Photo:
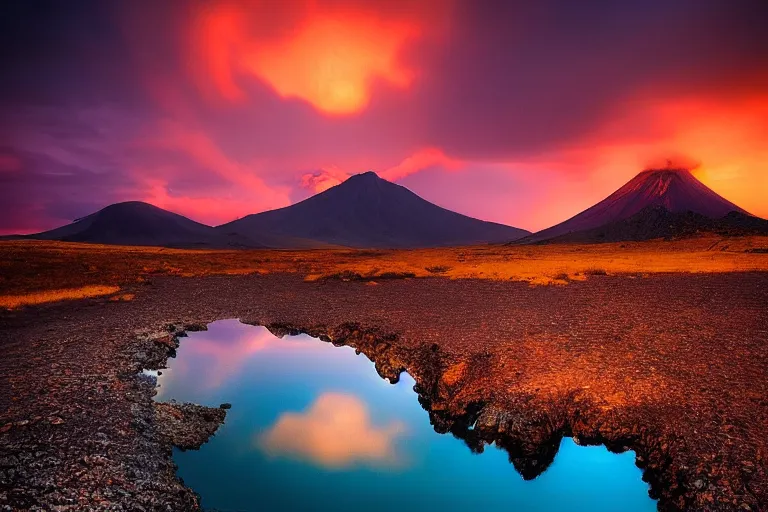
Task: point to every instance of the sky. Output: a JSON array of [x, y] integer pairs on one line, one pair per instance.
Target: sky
[[518, 112]]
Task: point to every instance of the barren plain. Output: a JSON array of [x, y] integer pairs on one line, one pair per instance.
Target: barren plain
[[658, 347]]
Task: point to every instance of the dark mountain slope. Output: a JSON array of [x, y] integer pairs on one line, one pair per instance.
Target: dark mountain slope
[[367, 211], [657, 222], [138, 223]]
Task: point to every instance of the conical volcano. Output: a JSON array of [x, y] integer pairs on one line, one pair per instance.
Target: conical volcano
[[139, 223], [674, 195], [368, 211]]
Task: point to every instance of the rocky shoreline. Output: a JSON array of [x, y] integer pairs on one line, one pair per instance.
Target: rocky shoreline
[[531, 435], [79, 429]]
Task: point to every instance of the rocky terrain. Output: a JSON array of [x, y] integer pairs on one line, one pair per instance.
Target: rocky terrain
[[671, 366]]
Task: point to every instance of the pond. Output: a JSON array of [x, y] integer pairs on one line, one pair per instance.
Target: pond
[[313, 427]]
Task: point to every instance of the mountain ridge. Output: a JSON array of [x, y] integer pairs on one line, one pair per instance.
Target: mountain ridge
[[365, 211], [142, 224], [368, 211]]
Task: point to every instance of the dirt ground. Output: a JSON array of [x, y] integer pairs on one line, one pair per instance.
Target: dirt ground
[[673, 365], [34, 272]]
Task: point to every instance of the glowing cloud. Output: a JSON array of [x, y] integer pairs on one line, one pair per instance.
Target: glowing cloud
[[323, 179], [332, 62], [335, 432], [329, 59]]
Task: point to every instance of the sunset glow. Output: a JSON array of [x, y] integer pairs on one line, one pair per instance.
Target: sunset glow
[[330, 61], [224, 108], [334, 254]]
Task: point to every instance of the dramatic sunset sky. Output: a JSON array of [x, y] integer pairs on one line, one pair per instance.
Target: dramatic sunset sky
[[518, 112]]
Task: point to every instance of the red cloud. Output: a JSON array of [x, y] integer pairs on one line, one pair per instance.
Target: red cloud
[[327, 57]]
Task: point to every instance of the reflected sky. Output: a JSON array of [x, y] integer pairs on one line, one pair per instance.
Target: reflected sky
[[313, 427], [335, 432]]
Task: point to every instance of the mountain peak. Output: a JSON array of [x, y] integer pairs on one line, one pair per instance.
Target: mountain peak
[[370, 212], [657, 184], [130, 205], [666, 174], [665, 171], [366, 183], [140, 223], [365, 177], [675, 190]]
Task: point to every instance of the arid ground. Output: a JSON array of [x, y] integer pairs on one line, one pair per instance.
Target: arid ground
[[658, 347]]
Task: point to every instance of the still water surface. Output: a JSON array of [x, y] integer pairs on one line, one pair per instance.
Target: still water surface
[[313, 427]]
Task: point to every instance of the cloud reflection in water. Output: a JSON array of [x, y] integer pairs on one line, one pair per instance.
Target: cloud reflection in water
[[335, 432]]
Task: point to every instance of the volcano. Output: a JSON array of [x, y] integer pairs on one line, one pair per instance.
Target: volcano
[[367, 211], [139, 223], [657, 203]]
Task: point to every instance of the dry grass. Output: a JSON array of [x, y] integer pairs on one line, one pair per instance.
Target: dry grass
[[37, 269], [29, 299], [560, 264]]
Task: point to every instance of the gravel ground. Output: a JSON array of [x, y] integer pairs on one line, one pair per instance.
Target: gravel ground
[[674, 367]]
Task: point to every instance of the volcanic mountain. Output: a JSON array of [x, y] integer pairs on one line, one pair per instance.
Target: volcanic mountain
[[138, 223], [657, 203], [367, 211], [658, 222]]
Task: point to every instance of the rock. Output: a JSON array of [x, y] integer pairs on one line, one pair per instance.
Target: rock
[[187, 426]]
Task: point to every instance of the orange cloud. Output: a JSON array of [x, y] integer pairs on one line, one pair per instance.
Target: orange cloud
[[329, 58], [335, 432], [332, 62], [323, 179]]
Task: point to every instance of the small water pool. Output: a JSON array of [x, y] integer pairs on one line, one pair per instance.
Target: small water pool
[[313, 427]]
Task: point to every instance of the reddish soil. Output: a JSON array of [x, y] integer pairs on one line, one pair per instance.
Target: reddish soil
[[672, 366]]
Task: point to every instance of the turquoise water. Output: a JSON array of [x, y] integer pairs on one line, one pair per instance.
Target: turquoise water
[[313, 427]]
